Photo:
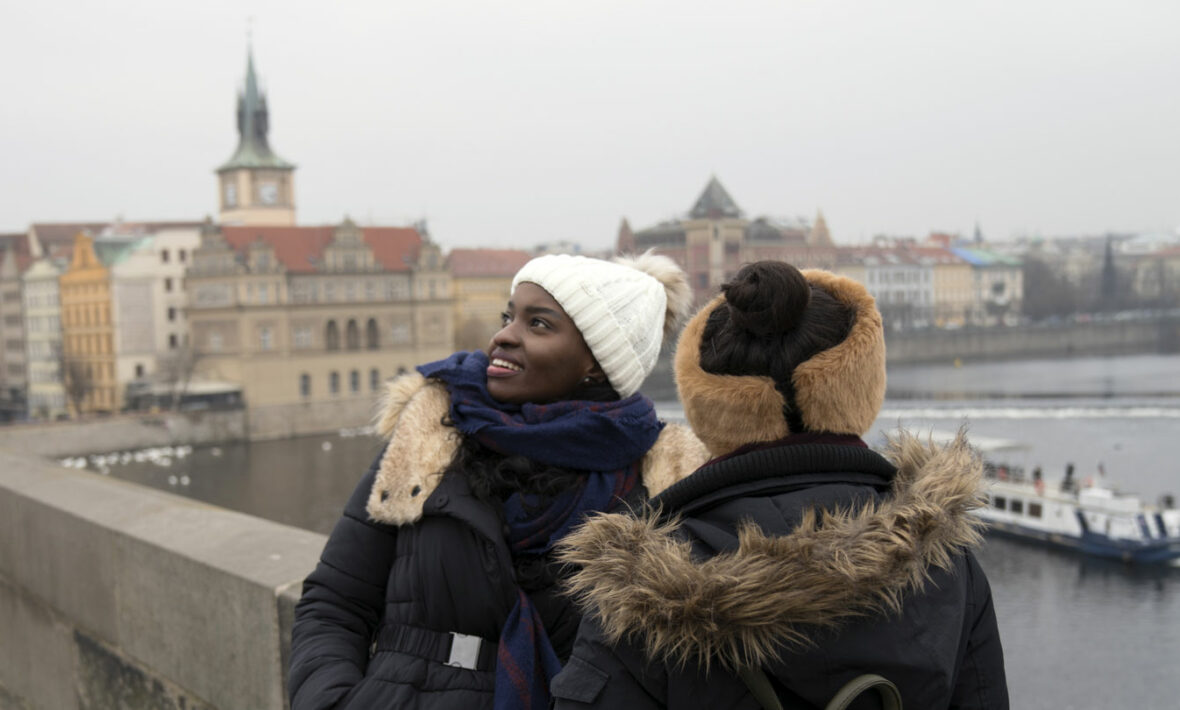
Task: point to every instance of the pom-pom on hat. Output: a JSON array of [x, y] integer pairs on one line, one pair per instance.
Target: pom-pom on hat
[[781, 352], [624, 308]]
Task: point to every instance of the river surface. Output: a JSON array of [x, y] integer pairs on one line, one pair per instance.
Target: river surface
[[1078, 633]]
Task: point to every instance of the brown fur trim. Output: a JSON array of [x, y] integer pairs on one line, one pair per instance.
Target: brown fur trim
[[841, 389], [675, 455], [724, 411], [638, 580], [421, 447]]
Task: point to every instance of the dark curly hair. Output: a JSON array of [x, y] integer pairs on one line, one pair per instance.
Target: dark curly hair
[[772, 320]]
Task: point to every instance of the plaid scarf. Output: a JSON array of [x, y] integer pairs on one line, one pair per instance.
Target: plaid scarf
[[606, 440]]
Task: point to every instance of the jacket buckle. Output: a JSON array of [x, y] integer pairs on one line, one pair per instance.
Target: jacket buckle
[[464, 651]]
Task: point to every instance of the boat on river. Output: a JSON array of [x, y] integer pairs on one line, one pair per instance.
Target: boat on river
[[1086, 515]]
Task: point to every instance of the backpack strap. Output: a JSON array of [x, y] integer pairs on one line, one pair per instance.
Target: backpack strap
[[890, 698], [759, 685]]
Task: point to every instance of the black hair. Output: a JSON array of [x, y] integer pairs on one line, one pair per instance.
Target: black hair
[[771, 321]]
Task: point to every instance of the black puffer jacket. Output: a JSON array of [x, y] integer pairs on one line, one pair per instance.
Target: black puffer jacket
[[416, 581], [883, 583]]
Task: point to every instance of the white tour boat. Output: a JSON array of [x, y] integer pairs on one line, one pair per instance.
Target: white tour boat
[[1086, 515]]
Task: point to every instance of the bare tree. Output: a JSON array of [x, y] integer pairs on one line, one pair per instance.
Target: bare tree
[[176, 370], [77, 379]]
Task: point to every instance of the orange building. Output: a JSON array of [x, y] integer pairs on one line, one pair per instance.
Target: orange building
[[88, 332]]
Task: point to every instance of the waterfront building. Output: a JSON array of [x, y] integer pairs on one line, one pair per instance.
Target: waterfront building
[[255, 186], [46, 396], [482, 283], [715, 238], [998, 285], [299, 315], [14, 258], [88, 336]]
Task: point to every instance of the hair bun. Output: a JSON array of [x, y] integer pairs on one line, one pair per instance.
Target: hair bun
[[767, 298]]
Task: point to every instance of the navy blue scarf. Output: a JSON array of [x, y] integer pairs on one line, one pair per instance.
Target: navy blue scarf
[[606, 440]]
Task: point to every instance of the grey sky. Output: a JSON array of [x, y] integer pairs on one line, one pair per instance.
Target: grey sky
[[519, 122]]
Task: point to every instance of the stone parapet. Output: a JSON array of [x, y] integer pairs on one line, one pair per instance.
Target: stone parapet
[[115, 595]]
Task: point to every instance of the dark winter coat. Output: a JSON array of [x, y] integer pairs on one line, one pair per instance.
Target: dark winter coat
[[750, 575], [417, 559]]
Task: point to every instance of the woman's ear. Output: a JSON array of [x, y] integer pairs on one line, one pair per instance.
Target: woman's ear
[[594, 375]]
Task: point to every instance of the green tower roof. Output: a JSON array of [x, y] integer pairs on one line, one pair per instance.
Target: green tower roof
[[253, 150]]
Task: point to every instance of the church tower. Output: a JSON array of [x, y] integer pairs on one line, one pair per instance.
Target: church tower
[[255, 186]]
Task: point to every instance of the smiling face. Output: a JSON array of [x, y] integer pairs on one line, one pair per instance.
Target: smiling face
[[539, 355]]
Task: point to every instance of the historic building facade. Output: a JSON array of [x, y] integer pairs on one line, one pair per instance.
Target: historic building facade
[[482, 283], [715, 238], [312, 314], [88, 332]]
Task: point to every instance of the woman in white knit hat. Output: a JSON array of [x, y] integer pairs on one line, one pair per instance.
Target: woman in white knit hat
[[436, 588]]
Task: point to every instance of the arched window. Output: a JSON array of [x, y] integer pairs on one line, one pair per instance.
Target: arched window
[[354, 381], [334, 382], [374, 379], [352, 335], [332, 336], [371, 341], [305, 385]]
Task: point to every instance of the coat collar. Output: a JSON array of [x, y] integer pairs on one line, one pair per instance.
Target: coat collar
[[638, 577], [421, 447]]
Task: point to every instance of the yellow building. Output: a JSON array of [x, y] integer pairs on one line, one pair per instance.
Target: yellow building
[[481, 280], [88, 333]]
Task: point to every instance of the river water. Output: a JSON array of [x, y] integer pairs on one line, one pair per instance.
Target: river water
[[1078, 633]]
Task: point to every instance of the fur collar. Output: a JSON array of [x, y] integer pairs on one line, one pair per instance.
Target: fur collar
[[638, 579], [421, 448]]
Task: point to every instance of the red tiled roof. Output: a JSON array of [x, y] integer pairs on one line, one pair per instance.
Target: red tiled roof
[[301, 248], [19, 243], [487, 262]]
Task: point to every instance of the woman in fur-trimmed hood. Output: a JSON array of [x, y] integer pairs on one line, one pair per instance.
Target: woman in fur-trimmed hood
[[796, 550], [437, 589]]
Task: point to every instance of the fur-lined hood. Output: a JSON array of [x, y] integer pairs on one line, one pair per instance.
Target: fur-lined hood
[[638, 578], [421, 447]]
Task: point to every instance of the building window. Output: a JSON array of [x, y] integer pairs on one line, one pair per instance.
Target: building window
[[265, 338], [302, 336], [180, 255], [215, 342], [334, 382], [171, 313], [164, 256], [332, 336], [1034, 510], [354, 381], [167, 282], [1000, 503], [138, 370], [371, 339], [353, 335], [1017, 506], [305, 385], [374, 379], [173, 342]]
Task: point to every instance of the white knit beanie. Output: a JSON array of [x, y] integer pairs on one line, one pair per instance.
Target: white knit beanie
[[624, 308]]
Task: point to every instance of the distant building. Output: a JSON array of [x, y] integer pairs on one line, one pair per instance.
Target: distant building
[[255, 186], [313, 314], [88, 332], [14, 259], [715, 238], [43, 343], [998, 284], [482, 281]]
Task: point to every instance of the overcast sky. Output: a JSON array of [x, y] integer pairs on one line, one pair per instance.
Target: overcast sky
[[517, 122]]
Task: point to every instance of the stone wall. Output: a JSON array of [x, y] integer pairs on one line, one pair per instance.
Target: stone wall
[[124, 432], [117, 596]]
